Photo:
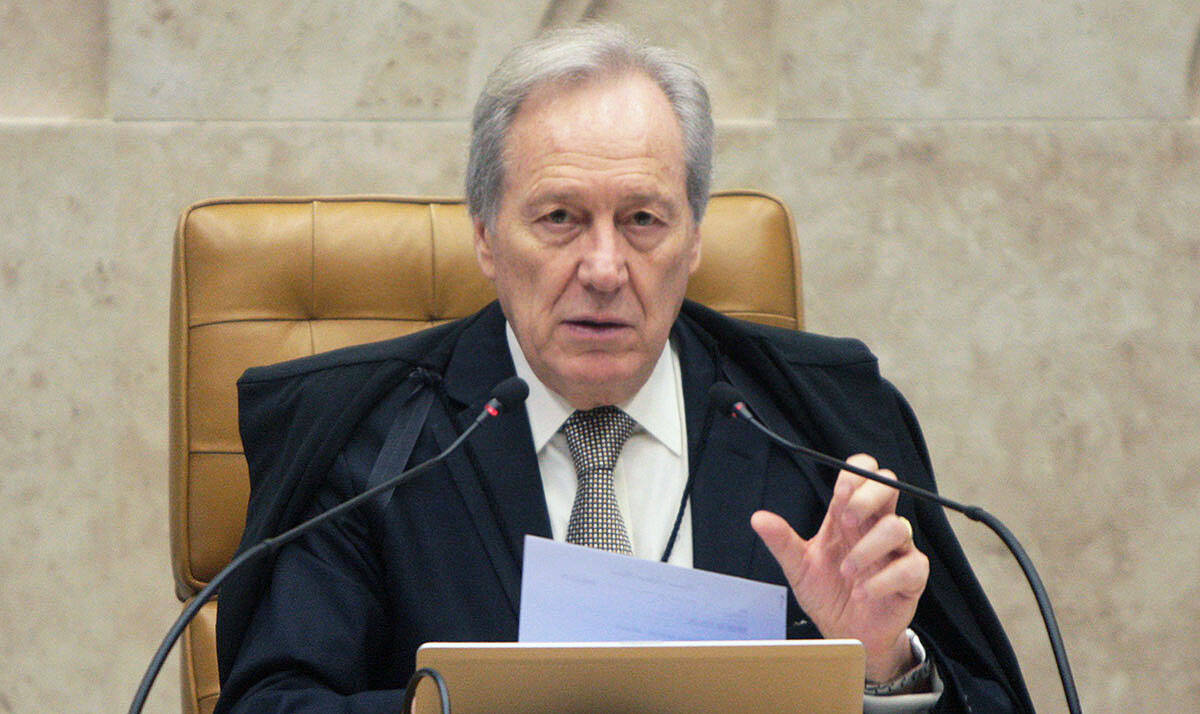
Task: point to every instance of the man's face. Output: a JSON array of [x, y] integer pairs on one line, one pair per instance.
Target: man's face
[[594, 239]]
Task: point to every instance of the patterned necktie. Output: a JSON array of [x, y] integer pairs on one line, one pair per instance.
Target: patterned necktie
[[595, 438]]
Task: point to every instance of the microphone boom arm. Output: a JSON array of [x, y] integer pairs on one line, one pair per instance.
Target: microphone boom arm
[[506, 395], [739, 410]]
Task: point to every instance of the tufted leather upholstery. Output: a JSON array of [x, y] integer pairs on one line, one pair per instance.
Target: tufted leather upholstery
[[261, 280]]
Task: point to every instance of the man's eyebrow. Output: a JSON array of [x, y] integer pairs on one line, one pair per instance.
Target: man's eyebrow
[[539, 201], [555, 196], [658, 200]]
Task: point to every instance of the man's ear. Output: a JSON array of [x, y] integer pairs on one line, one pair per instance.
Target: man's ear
[[483, 249], [695, 250]]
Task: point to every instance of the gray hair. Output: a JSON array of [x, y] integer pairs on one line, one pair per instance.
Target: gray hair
[[572, 56]]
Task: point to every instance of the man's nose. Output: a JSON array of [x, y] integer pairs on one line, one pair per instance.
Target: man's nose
[[603, 266]]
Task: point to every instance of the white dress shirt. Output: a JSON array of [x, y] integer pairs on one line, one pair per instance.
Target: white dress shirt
[[651, 471]]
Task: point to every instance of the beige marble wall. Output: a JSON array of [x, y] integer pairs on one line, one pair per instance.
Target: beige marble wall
[[999, 197]]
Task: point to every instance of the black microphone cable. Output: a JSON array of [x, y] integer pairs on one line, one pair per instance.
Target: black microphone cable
[[410, 690], [505, 396], [727, 399]]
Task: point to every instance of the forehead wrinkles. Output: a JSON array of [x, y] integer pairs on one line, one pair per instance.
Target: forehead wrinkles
[[643, 173], [605, 120], [551, 146], [573, 176]]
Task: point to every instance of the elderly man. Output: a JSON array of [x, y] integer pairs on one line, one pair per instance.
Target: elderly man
[[588, 177]]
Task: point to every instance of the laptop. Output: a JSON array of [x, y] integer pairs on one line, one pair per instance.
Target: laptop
[[668, 677]]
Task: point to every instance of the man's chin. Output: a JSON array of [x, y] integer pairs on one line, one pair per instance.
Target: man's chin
[[588, 387]]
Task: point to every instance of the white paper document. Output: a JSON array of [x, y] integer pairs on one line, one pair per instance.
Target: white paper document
[[571, 593]]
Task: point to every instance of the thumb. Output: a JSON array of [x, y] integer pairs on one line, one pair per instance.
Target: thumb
[[787, 547]]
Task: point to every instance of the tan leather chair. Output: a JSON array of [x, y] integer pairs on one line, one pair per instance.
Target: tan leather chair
[[261, 280]]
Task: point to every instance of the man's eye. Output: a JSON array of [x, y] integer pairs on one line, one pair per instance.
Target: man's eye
[[643, 218], [558, 216]]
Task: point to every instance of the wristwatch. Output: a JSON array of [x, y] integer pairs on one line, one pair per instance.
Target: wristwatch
[[913, 681]]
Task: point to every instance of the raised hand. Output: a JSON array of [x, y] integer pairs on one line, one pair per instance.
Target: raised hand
[[861, 575]]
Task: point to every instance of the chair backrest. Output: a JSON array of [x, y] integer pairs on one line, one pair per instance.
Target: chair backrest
[[262, 280]]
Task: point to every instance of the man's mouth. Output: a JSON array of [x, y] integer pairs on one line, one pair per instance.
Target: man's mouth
[[595, 326]]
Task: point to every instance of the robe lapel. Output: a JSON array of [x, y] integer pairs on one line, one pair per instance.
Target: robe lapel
[[496, 472], [803, 507], [726, 461]]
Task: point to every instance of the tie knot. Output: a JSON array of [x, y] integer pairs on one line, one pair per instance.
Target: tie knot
[[595, 437]]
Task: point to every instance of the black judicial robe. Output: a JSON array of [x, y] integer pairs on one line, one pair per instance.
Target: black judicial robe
[[333, 622]]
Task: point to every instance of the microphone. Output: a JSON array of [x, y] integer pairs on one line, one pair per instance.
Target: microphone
[[505, 396], [727, 399]]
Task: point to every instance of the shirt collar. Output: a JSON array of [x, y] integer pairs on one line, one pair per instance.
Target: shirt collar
[[655, 407]]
